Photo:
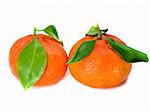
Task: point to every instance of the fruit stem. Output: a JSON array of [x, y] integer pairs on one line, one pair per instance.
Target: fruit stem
[[39, 30], [34, 33], [35, 30], [104, 31], [99, 32]]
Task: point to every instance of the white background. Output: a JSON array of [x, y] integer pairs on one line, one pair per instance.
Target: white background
[[127, 19]]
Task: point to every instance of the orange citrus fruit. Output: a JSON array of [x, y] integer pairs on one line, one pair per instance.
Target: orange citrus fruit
[[56, 55], [102, 68]]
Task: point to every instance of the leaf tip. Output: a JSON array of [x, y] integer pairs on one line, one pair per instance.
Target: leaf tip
[[61, 42], [69, 61], [146, 59], [26, 86]]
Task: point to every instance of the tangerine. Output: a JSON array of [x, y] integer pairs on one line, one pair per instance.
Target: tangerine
[[56, 55], [103, 67]]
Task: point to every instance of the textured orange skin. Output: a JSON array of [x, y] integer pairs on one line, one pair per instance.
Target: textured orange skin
[[57, 58], [102, 68]]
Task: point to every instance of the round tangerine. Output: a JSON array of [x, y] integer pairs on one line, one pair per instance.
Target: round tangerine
[[56, 55], [102, 68]]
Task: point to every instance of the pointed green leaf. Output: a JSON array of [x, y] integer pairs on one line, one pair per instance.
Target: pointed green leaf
[[94, 31], [127, 53], [31, 63], [83, 51], [51, 31]]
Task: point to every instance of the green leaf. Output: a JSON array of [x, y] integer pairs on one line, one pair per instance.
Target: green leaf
[[94, 31], [84, 50], [51, 31], [127, 53], [31, 63]]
